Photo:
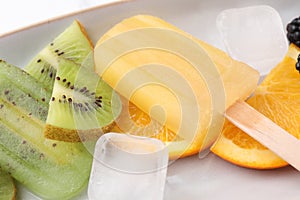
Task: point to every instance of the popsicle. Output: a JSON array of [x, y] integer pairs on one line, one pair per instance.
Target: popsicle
[[50, 169], [136, 57], [180, 81]]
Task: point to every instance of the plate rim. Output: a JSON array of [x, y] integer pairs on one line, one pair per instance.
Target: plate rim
[[62, 16]]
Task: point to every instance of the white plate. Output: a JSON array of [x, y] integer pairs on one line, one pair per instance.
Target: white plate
[[189, 178]]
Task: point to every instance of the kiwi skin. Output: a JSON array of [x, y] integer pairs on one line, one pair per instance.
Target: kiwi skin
[[72, 135]]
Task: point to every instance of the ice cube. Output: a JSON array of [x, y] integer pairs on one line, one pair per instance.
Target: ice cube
[[128, 167], [254, 35]]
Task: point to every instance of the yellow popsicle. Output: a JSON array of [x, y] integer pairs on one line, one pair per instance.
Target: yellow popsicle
[[180, 81]]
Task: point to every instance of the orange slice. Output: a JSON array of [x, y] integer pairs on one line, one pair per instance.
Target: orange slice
[[134, 121], [278, 98], [142, 124]]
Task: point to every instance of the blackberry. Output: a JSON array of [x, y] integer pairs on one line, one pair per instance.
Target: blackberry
[[298, 63], [293, 31]]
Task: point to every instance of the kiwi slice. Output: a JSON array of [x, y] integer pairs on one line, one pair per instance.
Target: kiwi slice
[[7, 186], [72, 44], [51, 169], [82, 106]]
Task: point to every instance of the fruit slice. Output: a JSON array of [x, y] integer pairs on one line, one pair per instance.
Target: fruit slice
[[73, 44], [134, 120], [50, 169], [82, 106], [278, 98], [238, 80], [7, 186]]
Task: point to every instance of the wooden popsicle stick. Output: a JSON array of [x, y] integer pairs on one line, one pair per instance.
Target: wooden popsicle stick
[[266, 132]]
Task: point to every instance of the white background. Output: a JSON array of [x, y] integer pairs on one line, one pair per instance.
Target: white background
[[16, 14]]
